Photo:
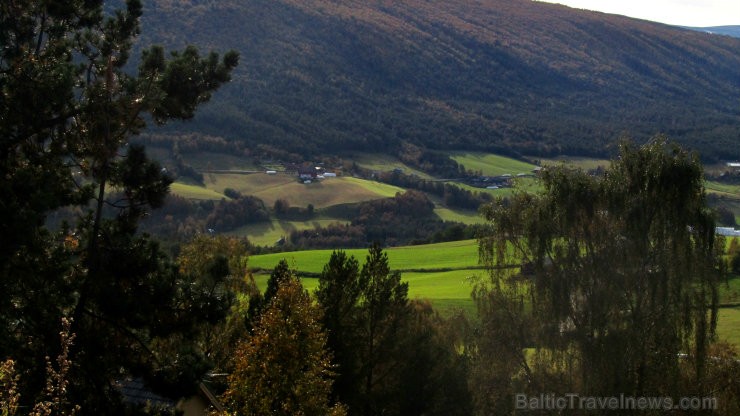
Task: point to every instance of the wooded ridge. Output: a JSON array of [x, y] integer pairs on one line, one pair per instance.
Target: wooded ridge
[[515, 76]]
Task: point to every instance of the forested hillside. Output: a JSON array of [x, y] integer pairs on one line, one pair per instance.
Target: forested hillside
[[523, 76]]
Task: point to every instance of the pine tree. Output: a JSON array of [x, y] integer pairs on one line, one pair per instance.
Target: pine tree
[[67, 113]]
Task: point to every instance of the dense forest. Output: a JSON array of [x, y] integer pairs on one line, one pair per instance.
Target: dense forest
[[506, 76]]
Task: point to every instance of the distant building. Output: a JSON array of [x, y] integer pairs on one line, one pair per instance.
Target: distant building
[[309, 172], [305, 173], [135, 393], [727, 231], [271, 172]]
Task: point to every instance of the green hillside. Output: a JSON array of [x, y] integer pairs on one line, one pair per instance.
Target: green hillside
[[269, 188], [197, 192], [491, 164]]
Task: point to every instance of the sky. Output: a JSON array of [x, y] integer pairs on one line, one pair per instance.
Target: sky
[[699, 13]]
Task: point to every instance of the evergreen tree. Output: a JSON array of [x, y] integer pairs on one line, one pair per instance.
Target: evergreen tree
[[383, 309], [67, 112], [365, 314], [338, 294]]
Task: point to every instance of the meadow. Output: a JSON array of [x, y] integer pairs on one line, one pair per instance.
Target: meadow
[[197, 192], [385, 163], [453, 255], [443, 273], [320, 194], [724, 189], [585, 163], [490, 164], [728, 325], [268, 233]]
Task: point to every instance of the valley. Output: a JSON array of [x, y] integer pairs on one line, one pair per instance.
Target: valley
[[443, 273], [363, 207]]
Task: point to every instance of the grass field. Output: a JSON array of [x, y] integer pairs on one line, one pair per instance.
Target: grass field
[[463, 216], [195, 192], [585, 163], [728, 190], [438, 272], [448, 291], [269, 188], [728, 325], [384, 163], [527, 184], [490, 164], [450, 255], [444, 273], [267, 233]]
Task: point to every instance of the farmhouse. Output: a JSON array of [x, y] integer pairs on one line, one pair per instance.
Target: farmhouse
[[307, 173]]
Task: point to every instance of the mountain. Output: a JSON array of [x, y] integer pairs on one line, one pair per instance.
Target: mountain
[[733, 31], [515, 76]]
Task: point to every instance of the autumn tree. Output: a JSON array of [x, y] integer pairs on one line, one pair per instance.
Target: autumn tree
[[67, 111], [600, 285], [284, 367]]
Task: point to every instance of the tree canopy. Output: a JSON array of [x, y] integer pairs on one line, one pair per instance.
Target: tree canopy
[[68, 108], [284, 366], [610, 282]]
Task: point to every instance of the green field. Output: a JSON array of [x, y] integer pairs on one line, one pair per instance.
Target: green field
[[527, 184], [433, 257], [724, 189], [385, 163], [444, 273], [585, 163], [491, 165], [195, 192], [268, 233], [728, 325], [330, 191], [448, 291], [463, 216], [438, 272]]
